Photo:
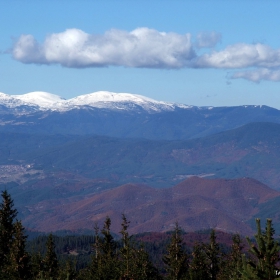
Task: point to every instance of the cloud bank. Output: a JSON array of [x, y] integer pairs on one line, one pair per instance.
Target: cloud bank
[[141, 47], [149, 48]]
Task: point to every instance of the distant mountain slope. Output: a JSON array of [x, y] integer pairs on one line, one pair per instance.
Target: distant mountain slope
[[16, 146], [66, 181], [249, 151], [44, 101], [195, 203], [122, 115]]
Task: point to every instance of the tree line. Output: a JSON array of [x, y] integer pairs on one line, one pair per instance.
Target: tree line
[[125, 259]]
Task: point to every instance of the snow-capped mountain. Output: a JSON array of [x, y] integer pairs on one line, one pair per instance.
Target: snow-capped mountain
[[41, 99], [10, 101], [102, 99], [122, 115]]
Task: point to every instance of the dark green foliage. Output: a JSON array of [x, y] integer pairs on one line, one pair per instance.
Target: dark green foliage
[[265, 252], [37, 265], [213, 253], [7, 231], [7, 216], [176, 259], [19, 259], [104, 264], [128, 260], [67, 270], [207, 260], [199, 265], [76, 248], [232, 269], [126, 256], [143, 267], [134, 261], [50, 260], [109, 255]]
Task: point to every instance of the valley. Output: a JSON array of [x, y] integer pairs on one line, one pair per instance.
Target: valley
[[69, 167]]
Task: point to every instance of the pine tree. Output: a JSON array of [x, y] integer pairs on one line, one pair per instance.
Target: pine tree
[[213, 254], [109, 245], [176, 259], [126, 251], [50, 260], [134, 262], [95, 266], [37, 265], [266, 252], [104, 264], [7, 216], [19, 266], [234, 263], [68, 272], [199, 264], [143, 267], [109, 260]]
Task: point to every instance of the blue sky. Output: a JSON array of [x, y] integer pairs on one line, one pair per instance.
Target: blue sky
[[218, 53]]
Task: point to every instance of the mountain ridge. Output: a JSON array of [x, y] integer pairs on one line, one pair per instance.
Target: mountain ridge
[[192, 203], [101, 99], [249, 151], [136, 122], [61, 179]]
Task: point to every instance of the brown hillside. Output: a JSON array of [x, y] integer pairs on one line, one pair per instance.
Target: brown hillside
[[195, 203]]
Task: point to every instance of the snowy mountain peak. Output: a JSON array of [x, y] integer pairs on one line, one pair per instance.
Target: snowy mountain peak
[[3, 95], [106, 96], [101, 99], [119, 101], [40, 98]]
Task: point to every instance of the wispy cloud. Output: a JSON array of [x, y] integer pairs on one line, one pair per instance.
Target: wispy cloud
[[207, 39], [149, 48], [257, 75], [241, 56]]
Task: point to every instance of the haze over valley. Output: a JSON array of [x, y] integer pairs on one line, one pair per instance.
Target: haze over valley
[[74, 160]]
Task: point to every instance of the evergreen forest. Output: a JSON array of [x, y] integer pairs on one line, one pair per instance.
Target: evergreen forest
[[104, 256]]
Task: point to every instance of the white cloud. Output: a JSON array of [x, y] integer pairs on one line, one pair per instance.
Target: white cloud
[[149, 48], [258, 75], [27, 49], [241, 56], [208, 39], [141, 47]]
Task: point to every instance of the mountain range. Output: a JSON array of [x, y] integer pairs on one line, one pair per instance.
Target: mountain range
[[123, 116], [44, 101], [69, 163], [252, 151]]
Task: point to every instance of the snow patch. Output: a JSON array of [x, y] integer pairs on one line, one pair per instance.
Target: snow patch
[[40, 98], [101, 99]]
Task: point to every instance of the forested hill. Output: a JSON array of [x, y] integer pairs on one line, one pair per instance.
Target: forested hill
[[196, 203], [107, 258], [249, 151]]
